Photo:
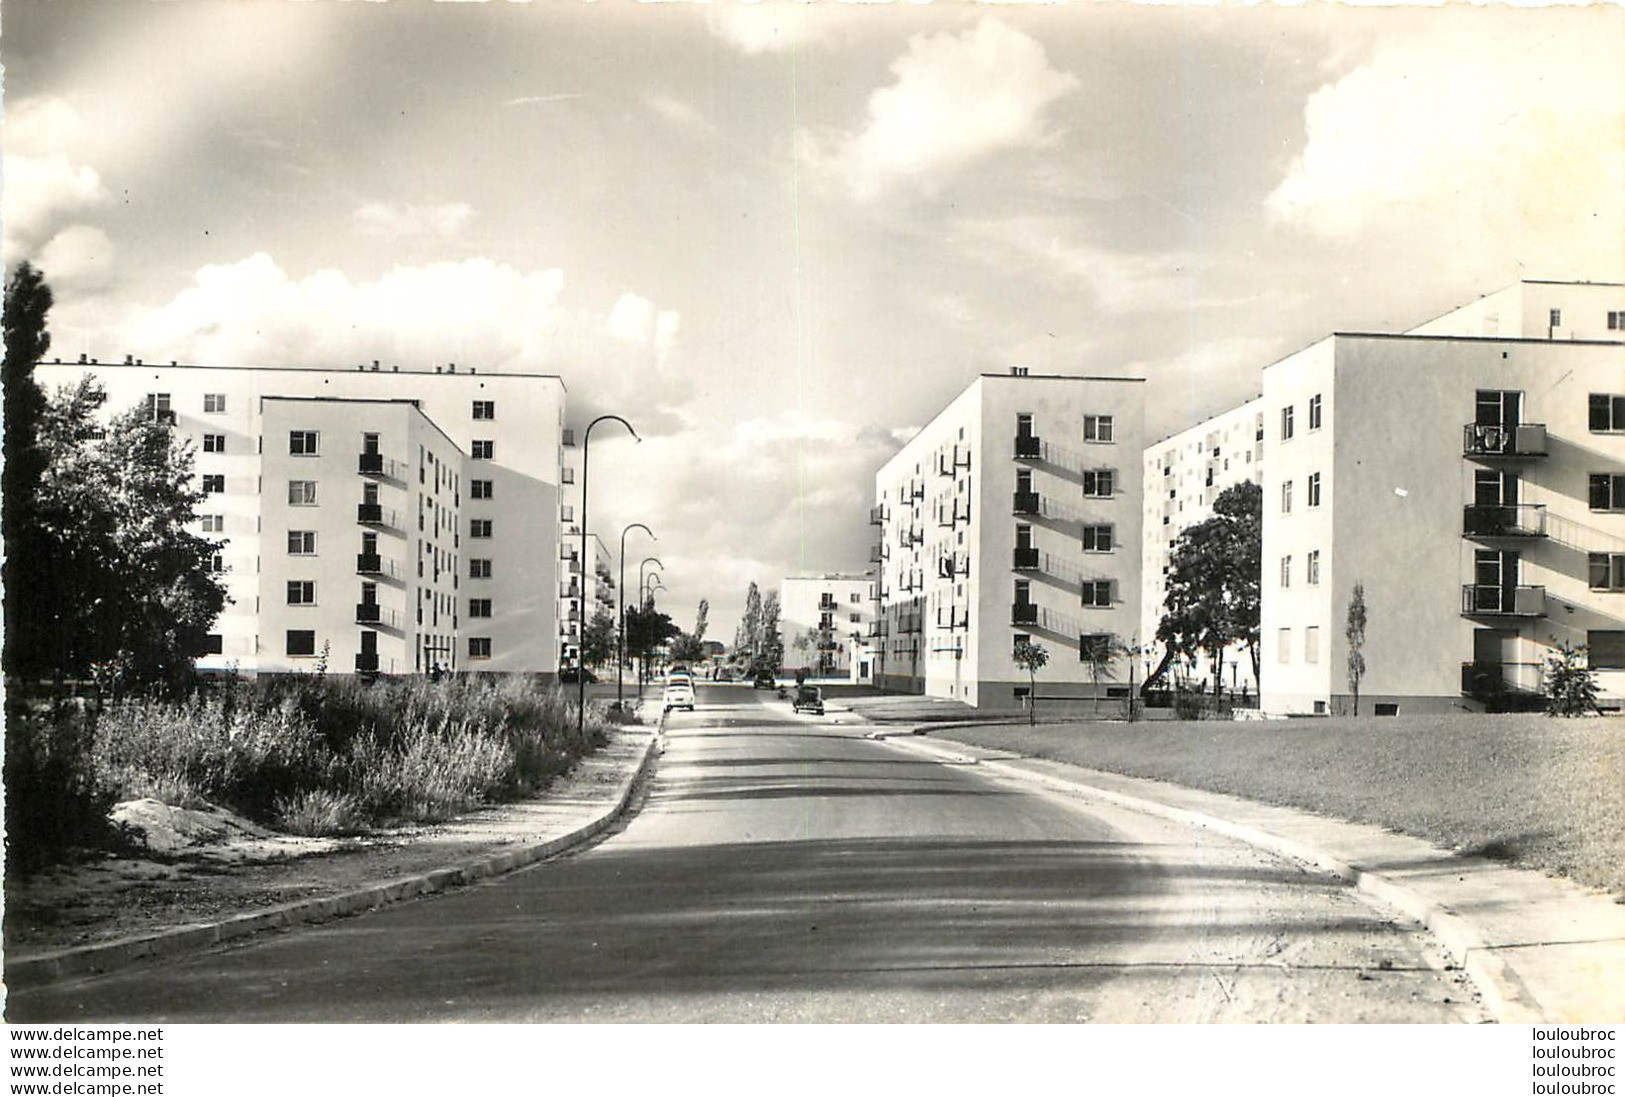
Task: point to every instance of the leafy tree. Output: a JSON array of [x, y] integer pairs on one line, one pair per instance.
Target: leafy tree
[[1031, 658], [598, 639], [748, 639], [27, 596], [772, 644], [701, 620], [687, 648], [646, 630], [1098, 651], [1354, 633], [1569, 684], [1213, 596]]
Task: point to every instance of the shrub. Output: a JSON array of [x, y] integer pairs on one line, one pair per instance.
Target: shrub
[[319, 813], [1569, 684], [55, 802]]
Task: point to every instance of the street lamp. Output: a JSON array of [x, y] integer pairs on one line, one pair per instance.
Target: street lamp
[[620, 613], [581, 618], [643, 598], [647, 560]]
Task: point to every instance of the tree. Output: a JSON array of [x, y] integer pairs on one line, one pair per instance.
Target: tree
[[700, 620], [1098, 652], [1213, 596], [598, 639], [1569, 684], [1031, 658], [27, 596], [749, 637], [646, 629], [772, 644], [1355, 635], [687, 648]]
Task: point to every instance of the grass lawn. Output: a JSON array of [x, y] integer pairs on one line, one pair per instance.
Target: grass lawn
[[1539, 792]]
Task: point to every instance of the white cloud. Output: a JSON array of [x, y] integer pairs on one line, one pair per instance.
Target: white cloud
[[395, 220], [678, 111], [1504, 136], [758, 27], [956, 98], [45, 185], [80, 257]]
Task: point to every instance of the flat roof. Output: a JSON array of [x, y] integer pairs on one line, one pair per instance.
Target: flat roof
[[406, 371], [402, 400]]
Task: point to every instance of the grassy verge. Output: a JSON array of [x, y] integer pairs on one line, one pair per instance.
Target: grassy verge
[[1542, 793]]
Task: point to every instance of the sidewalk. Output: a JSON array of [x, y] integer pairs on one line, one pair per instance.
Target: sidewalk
[[1539, 949], [189, 911]]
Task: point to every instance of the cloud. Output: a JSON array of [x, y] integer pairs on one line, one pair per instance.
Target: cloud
[[678, 111], [80, 258], [955, 99], [561, 97], [1514, 134], [397, 221], [755, 28], [635, 320], [44, 184]]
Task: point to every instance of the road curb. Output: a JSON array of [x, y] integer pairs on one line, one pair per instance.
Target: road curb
[[1504, 994], [110, 956]]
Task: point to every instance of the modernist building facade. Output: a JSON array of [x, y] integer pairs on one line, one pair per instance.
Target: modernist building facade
[[828, 624], [383, 521], [1013, 515]]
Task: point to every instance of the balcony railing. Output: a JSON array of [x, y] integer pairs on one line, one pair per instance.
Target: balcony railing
[[371, 613], [878, 515], [569, 438], [370, 563], [1485, 680], [878, 628], [1024, 502], [1028, 447], [1026, 559], [569, 590], [376, 514], [878, 554], [1514, 520], [1517, 442], [1024, 613], [1479, 600], [366, 662]]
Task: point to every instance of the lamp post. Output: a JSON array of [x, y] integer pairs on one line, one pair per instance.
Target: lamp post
[[620, 613], [642, 598], [581, 618]]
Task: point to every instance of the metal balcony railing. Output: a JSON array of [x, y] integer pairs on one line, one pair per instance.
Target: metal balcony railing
[[1024, 502], [1024, 613], [1479, 600], [366, 662], [1484, 680], [878, 515], [1025, 559], [371, 563], [1518, 442], [878, 554], [1028, 447], [1514, 520]]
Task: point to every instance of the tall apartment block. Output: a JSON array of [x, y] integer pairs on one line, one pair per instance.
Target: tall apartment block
[[1184, 474], [835, 616], [1470, 476], [1013, 515], [390, 520]]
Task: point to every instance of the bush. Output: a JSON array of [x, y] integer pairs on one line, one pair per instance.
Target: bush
[[55, 801], [319, 813], [1569, 685]]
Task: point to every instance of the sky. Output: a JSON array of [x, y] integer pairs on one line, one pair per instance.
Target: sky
[[778, 238]]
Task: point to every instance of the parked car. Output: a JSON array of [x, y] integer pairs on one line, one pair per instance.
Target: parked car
[[763, 680], [808, 699], [679, 694], [573, 674]]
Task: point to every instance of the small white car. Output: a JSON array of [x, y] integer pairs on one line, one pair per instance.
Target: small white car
[[679, 695]]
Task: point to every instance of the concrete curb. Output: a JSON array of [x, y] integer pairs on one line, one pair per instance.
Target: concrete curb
[[1503, 992], [112, 955]]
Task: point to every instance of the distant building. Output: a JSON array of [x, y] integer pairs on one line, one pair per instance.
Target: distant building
[[827, 623], [389, 521], [1013, 515]]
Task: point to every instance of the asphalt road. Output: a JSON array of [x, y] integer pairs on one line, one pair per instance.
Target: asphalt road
[[787, 868]]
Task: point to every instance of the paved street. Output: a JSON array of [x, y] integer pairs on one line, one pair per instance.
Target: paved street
[[787, 868]]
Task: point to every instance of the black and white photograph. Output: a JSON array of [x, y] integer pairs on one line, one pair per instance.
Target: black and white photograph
[[858, 520]]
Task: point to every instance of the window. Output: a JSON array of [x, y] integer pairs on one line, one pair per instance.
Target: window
[[567, 513], [214, 443], [1097, 428], [1314, 412], [301, 542], [1314, 489], [479, 607], [1607, 570], [483, 449], [1099, 483], [1555, 319], [854, 618], [213, 523], [214, 403], [479, 568], [158, 409], [213, 483], [1311, 644], [300, 641], [1605, 649], [1606, 411], [301, 592], [301, 493], [479, 527], [479, 647], [1283, 645], [1097, 538], [1286, 497], [217, 563], [214, 644], [303, 443], [1019, 639], [480, 489], [1286, 572], [1616, 320], [1607, 491], [1101, 642], [1097, 592], [1286, 422], [1313, 576], [485, 409]]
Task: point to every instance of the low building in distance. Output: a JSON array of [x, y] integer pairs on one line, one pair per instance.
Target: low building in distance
[[828, 624]]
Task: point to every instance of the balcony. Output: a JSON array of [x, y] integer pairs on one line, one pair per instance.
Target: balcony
[[878, 628], [1522, 442], [1024, 502], [878, 554], [1026, 559], [1518, 520], [370, 563], [1502, 601], [1028, 447], [878, 515], [1504, 687], [1024, 613], [568, 438], [366, 662]]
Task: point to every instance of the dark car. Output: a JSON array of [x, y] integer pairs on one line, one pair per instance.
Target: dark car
[[763, 680], [571, 674], [808, 699]]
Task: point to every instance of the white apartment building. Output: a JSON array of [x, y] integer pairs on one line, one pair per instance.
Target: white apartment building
[[828, 624], [1470, 475], [1184, 474], [389, 521], [1013, 515], [583, 590]]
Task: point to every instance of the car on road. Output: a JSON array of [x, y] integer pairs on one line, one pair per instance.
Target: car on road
[[679, 694], [808, 699], [573, 674], [763, 680]]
